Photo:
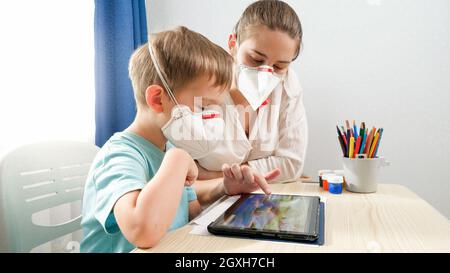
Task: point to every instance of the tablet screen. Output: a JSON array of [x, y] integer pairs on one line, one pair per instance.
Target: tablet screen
[[288, 213]]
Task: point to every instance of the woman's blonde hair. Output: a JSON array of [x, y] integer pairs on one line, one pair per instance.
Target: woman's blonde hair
[[274, 14], [183, 56]]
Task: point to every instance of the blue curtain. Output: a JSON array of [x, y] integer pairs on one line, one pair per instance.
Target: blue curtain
[[120, 27]]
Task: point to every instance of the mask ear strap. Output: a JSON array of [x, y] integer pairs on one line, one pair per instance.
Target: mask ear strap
[[158, 71]]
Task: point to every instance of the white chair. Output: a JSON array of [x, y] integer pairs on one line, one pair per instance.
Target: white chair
[[37, 177]]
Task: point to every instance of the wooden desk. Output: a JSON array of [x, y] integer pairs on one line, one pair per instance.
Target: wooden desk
[[392, 220]]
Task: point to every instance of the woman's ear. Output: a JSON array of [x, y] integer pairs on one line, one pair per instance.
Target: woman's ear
[[153, 98], [232, 43]]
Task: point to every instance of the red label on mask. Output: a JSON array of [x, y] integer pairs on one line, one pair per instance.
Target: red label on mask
[[210, 115], [265, 69]]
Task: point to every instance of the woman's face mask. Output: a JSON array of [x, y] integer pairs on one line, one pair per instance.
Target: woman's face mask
[[196, 133], [256, 83]]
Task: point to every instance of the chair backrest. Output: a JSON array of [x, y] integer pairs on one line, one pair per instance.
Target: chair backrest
[[36, 177]]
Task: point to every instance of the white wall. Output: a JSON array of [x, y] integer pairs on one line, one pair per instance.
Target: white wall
[[383, 62]]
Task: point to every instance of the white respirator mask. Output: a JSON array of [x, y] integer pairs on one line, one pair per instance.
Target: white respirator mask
[[196, 133], [256, 83]]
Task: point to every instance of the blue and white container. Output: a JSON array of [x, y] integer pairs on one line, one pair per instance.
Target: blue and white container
[[335, 184]]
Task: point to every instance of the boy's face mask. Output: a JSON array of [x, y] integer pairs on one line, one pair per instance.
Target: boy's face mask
[[256, 83], [196, 133]]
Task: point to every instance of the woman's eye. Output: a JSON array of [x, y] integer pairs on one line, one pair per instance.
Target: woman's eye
[[279, 69], [257, 61]]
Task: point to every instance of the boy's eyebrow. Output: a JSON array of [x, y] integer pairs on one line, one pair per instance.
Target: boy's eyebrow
[[265, 56]]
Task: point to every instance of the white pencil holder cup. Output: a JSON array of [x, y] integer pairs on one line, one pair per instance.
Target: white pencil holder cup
[[361, 174]]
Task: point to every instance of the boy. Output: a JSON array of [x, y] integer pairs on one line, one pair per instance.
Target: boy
[[137, 189]]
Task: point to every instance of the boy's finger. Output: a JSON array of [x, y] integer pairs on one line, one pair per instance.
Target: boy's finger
[[272, 174], [262, 183], [247, 174], [194, 172], [236, 170], [189, 181]]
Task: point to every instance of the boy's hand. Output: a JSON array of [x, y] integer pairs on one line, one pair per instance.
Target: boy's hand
[[178, 156], [242, 179], [192, 173]]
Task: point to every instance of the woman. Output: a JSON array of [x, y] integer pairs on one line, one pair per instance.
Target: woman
[[266, 126]]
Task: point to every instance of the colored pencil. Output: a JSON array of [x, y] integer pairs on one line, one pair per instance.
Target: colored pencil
[[358, 143], [348, 136], [374, 144], [340, 134], [378, 144], [349, 130], [361, 130], [344, 150], [355, 130], [369, 141], [363, 142], [351, 147]]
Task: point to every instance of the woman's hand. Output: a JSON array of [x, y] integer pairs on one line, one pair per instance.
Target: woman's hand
[[242, 179]]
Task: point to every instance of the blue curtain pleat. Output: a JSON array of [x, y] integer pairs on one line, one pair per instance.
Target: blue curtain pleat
[[120, 27]]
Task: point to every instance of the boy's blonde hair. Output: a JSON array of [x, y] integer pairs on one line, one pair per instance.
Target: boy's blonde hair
[[183, 55]]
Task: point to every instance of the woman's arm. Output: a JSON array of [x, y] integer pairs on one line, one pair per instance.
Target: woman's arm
[[194, 209], [208, 191], [204, 174], [144, 216]]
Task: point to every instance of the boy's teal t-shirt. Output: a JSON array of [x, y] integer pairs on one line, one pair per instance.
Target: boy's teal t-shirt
[[125, 163]]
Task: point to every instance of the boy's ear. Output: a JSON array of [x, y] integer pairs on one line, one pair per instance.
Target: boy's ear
[[153, 98], [231, 42]]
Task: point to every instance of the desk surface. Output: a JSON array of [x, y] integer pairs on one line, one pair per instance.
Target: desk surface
[[394, 219]]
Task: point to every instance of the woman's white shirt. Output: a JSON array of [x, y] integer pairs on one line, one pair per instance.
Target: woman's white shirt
[[278, 133]]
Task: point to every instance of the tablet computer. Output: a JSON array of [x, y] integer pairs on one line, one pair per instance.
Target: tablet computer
[[275, 216]]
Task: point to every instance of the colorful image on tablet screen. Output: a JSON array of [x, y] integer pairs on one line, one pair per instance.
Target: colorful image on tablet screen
[[270, 212]]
